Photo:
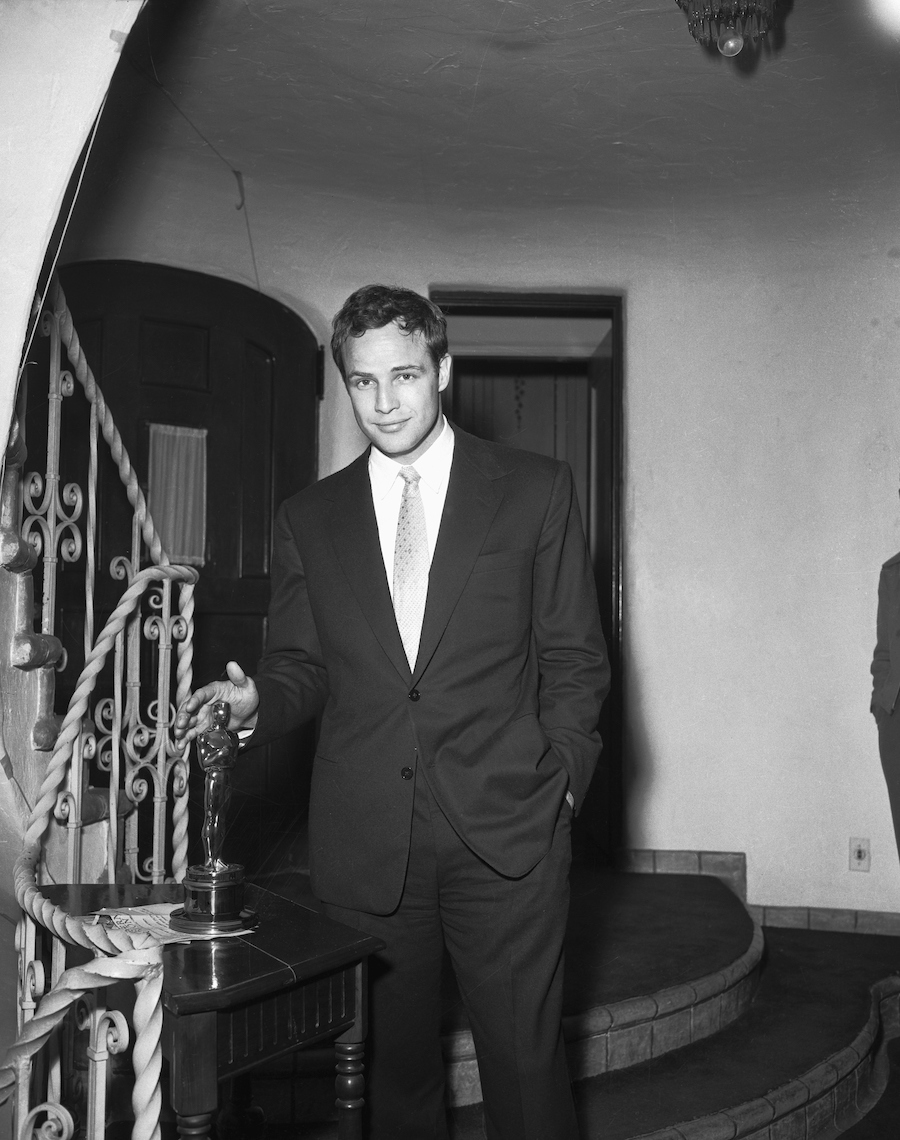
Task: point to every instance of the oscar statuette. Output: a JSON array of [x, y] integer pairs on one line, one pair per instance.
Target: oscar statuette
[[214, 889]]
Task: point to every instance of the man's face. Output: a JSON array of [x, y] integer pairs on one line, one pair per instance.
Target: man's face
[[394, 388]]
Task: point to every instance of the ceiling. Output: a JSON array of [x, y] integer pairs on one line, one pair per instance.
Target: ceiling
[[514, 104]]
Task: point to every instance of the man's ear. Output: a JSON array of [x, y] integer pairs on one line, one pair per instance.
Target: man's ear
[[444, 370]]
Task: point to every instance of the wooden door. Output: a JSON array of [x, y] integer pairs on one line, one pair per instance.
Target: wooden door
[[178, 348], [565, 409]]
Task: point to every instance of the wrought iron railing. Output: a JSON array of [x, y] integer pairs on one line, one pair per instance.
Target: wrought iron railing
[[112, 799]]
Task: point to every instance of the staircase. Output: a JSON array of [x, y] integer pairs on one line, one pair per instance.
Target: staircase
[[806, 1059], [686, 1021]]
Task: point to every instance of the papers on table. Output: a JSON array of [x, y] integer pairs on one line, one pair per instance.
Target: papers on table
[[151, 919]]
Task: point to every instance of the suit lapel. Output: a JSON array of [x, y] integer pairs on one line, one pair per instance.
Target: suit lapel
[[469, 509], [471, 504], [354, 536]]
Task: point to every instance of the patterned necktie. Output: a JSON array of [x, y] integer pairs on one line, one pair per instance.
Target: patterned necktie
[[410, 565]]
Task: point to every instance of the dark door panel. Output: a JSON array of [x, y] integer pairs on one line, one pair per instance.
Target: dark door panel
[[173, 347], [565, 409]]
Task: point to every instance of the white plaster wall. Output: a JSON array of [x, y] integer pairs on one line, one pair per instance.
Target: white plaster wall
[[762, 481], [763, 449], [56, 60]]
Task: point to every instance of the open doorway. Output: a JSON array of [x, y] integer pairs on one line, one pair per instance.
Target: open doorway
[[543, 371]]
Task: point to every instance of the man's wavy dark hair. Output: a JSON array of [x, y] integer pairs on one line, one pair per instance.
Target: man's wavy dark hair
[[374, 306]]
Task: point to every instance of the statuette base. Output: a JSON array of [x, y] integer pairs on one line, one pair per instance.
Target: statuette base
[[213, 902]]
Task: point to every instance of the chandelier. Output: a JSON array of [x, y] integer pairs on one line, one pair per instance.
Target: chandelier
[[728, 23]]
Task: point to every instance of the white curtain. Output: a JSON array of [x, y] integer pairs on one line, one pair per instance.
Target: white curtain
[[177, 490]]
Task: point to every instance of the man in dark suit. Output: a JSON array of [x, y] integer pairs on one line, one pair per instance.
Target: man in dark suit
[[886, 682], [435, 601]]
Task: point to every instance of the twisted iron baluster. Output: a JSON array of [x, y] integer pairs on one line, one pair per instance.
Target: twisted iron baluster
[[137, 957], [110, 432]]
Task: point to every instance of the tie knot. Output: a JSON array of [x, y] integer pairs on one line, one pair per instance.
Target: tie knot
[[410, 477]]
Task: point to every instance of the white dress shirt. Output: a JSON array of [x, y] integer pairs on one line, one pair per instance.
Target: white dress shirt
[[433, 467]]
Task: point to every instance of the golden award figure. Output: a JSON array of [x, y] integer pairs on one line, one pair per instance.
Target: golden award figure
[[214, 890], [217, 751]]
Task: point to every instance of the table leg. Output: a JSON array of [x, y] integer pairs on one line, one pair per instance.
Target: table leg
[[349, 1085], [189, 1044], [194, 1127]]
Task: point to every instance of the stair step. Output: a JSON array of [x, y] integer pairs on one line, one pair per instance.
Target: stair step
[[653, 963], [882, 1122], [786, 1070]]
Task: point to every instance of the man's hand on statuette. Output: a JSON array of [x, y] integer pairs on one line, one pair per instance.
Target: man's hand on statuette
[[196, 713]]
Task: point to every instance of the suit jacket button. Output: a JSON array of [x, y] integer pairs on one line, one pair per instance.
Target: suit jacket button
[[414, 695], [406, 773]]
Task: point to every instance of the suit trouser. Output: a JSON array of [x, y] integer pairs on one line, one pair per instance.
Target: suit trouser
[[889, 750], [505, 940]]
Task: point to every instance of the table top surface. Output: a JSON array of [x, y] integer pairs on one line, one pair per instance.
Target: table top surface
[[292, 943]]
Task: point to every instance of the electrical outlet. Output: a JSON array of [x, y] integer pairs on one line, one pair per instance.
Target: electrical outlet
[[860, 855]]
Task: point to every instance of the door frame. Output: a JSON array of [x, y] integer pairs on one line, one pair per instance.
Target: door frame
[[486, 302]]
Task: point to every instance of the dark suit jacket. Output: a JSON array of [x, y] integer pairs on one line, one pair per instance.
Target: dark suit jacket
[[886, 661], [501, 711]]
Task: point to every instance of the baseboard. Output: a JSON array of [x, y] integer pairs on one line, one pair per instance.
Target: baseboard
[[729, 866], [827, 918]]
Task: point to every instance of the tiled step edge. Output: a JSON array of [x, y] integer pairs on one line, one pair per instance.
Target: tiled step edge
[[628, 1032], [820, 1104]]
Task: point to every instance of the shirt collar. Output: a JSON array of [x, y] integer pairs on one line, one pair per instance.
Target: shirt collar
[[433, 465]]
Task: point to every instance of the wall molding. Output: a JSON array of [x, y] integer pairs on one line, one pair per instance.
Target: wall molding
[[731, 868], [828, 918]]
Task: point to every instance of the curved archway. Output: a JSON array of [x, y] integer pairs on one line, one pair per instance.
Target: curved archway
[[174, 348]]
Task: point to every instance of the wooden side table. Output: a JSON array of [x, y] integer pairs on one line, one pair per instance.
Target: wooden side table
[[298, 979]]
